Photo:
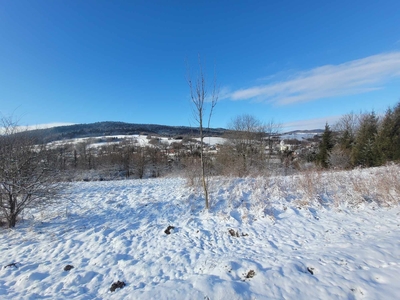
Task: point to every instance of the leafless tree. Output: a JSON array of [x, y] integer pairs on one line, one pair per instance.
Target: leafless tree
[[272, 130], [247, 138], [140, 161], [346, 129], [26, 176], [203, 104]]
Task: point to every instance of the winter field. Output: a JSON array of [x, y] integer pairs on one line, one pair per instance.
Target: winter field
[[329, 235]]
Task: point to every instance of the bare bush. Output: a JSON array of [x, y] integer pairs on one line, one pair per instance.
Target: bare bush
[[27, 178], [340, 158], [388, 185], [192, 171]]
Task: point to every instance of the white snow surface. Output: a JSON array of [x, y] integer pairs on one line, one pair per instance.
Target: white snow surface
[[300, 136], [112, 231], [142, 140]]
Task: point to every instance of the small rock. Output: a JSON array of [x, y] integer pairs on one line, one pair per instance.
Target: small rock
[[68, 267], [168, 230], [116, 285], [251, 274]]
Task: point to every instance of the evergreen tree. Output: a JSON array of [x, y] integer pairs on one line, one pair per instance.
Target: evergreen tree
[[395, 134], [325, 147], [365, 151], [388, 138], [384, 138], [346, 140]]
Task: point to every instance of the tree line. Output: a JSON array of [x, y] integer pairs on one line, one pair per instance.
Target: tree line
[[361, 140]]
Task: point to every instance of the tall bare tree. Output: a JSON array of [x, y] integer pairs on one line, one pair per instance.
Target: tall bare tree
[[204, 99], [26, 177]]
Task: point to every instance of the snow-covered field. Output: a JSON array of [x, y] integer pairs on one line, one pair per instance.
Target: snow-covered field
[[288, 242], [141, 140]]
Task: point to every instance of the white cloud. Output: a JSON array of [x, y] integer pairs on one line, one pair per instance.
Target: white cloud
[[44, 126], [354, 77], [34, 127], [318, 123]]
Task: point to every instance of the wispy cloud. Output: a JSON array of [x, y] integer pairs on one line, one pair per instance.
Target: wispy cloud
[[354, 77], [34, 127], [44, 126], [318, 123]]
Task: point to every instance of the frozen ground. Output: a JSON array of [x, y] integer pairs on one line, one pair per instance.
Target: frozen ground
[[110, 231]]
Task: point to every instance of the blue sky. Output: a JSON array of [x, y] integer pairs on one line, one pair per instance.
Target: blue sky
[[299, 63]]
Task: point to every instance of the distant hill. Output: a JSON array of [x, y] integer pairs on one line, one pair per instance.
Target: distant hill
[[98, 129], [116, 128], [311, 131], [301, 135]]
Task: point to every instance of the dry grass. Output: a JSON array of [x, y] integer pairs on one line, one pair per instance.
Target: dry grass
[[268, 195], [387, 183], [310, 186]]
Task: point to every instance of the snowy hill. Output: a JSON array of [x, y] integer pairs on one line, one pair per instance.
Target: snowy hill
[[100, 129], [315, 236], [301, 135]]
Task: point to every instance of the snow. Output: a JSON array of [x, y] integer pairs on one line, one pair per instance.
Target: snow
[[212, 140], [112, 231], [142, 140], [300, 136]]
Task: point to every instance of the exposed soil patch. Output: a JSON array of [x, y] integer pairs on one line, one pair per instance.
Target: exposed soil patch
[[168, 230], [117, 285], [68, 268], [251, 274]]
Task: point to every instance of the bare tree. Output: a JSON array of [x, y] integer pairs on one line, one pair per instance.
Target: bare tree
[[202, 103], [272, 130], [26, 178], [346, 129], [247, 137], [140, 161]]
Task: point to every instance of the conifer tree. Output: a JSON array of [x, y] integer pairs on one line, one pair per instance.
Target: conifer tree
[[388, 138], [325, 147], [365, 152], [395, 134], [384, 143]]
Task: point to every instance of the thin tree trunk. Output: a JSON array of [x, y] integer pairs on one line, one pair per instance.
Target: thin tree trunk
[[203, 171], [12, 218]]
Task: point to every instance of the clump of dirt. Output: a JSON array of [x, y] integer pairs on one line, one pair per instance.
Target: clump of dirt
[[251, 274], [68, 267], [117, 285], [236, 233], [168, 230]]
